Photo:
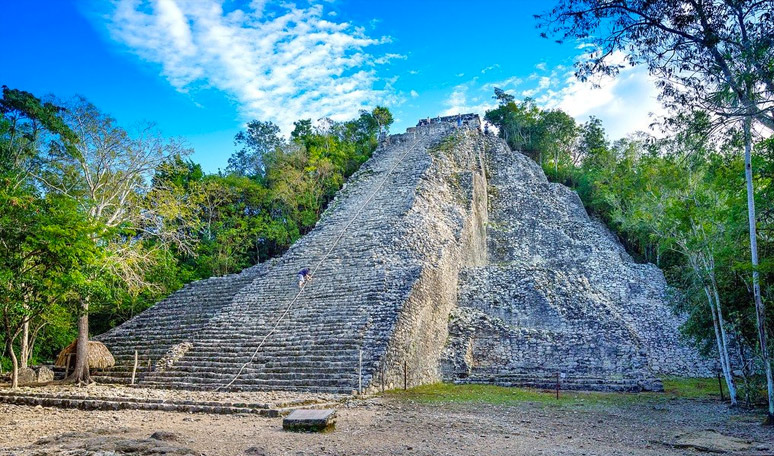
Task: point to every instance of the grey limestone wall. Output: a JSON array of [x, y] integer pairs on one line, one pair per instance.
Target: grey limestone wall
[[447, 228]]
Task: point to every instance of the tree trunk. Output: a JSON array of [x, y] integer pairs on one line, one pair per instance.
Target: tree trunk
[[724, 340], [14, 362], [24, 353], [81, 372], [759, 308], [34, 338], [722, 352]]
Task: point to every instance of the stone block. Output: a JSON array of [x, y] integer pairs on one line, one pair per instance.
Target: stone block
[[309, 420], [45, 374], [27, 375]]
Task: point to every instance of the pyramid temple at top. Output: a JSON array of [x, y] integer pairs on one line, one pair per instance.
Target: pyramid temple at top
[[447, 256]]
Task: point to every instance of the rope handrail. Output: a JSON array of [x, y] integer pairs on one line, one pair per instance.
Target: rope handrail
[[319, 263]]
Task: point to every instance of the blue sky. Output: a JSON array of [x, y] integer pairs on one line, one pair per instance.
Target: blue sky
[[200, 69]]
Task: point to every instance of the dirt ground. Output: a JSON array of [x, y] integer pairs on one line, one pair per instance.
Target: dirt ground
[[391, 426]]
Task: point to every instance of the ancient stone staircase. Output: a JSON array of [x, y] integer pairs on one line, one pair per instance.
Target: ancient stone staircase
[[335, 336], [154, 332]]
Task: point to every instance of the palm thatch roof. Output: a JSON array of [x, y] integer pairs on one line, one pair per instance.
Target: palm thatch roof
[[99, 355]]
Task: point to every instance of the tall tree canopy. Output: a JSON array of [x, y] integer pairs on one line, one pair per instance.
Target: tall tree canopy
[[714, 55], [711, 55]]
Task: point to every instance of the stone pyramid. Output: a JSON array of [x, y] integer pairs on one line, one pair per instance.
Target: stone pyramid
[[445, 256]]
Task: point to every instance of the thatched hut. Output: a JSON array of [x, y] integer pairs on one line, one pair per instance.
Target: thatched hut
[[99, 356]]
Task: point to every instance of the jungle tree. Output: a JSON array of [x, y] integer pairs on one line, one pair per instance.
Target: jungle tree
[[715, 55]]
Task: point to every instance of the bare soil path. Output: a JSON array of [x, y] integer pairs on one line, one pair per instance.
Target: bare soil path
[[398, 424]]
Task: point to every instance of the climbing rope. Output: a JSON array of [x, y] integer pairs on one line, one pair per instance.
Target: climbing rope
[[319, 263]]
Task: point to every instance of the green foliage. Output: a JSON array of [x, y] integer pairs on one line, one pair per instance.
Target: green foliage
[[256, 142], [546, 136], [45, 254], [24, 119], [119, 220]]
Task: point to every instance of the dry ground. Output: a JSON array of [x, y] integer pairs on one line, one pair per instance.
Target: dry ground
[[415, 424]]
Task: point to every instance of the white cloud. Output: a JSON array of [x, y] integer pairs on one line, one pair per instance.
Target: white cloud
[[625, 104], [490, 68], [414, 94], [282, 65], [506, 84], [461, 102], [387, 58], [543, 84]]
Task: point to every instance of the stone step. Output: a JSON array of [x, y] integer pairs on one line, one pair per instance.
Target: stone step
[[221, 386], [111, 403]]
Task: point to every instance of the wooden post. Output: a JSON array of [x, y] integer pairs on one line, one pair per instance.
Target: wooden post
[[134, 369], [720, 385], [68, 358], [149, 365], [360, 374]]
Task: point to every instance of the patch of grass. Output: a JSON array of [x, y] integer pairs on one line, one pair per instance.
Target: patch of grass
[[450, 393], [490, 394], [440, 393], [693, 388]]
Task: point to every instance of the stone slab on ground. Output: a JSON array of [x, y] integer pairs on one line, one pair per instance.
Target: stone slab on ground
[[712, 442], [94, 443], [309, 420]]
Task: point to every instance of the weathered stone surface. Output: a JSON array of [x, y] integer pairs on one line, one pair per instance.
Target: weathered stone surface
[[309, 420], [560, 295], [165, 436], [442, 221], [27, 375], [45, 374], [711, 442], [112, 445]]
